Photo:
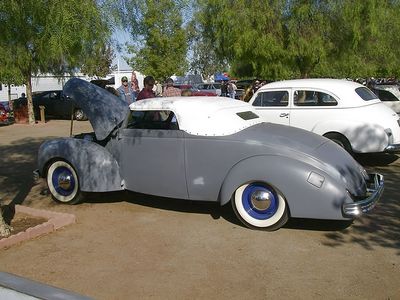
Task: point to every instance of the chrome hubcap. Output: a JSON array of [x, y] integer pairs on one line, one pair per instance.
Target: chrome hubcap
[[64, 181], [261, 200]]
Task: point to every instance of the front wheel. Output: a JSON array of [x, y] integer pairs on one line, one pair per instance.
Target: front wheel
[[63, 183], [259, 206]]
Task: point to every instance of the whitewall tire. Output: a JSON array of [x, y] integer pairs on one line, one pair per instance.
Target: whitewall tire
[[259, 206], [63, 183]]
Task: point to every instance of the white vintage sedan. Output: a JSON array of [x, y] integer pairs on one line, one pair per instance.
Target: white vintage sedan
[[343, 111]]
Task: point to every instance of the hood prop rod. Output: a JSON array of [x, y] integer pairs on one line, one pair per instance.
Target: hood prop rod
[[72, 119]]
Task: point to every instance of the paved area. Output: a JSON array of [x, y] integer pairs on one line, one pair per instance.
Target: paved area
[[127, 245]]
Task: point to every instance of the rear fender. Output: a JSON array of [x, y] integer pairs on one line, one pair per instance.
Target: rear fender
[[97, 169], [289, 177], [363, 136]]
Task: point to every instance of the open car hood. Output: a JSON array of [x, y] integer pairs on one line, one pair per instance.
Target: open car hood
[[104, 110]]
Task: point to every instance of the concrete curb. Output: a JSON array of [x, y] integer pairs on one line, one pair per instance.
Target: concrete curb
[[55, 221]]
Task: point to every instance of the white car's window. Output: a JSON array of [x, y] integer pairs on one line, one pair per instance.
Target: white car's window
[[272, 98], [365, 93], [385, 95], [152, 119], [313, 98]]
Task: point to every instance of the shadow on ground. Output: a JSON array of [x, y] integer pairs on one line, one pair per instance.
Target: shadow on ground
[[376, 159], [17, 161], [380, 228]]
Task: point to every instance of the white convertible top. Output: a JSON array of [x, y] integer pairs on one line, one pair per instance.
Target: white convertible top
[[206, 116]]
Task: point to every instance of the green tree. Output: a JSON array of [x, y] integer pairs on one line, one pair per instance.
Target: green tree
[[100, 62], [248, 34], [366, 36], [204, 59], [307, 26], [54, 36], [161, 50], [279, 39]]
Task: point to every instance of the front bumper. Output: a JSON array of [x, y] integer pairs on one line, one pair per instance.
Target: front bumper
[[375, 189], [393, 148]]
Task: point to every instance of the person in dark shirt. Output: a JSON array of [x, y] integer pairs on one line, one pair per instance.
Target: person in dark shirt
[[147, 91]]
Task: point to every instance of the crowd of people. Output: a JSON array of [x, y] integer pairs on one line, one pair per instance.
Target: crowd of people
[[129, 90]]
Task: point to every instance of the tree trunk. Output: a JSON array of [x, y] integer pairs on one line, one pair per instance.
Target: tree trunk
[[31, 113]]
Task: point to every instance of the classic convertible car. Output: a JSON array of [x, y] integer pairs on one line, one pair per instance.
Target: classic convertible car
[[209, 149]]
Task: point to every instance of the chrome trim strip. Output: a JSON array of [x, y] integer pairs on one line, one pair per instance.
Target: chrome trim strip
[[392, 148], [355, 209]]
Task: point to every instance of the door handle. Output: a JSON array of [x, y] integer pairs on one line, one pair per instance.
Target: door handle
[[282, 115]]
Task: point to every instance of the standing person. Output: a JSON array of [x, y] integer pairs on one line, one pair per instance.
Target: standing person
[[224, 89], [170, 90], [232, 89], [157, 89], [125, 91], [135, 84], [147, 91]]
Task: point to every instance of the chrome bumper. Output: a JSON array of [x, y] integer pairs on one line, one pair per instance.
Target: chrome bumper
[[393, 148], [375, 188]]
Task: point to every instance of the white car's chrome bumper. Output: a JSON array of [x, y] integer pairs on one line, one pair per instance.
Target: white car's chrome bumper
[[375, 189], [393, 148]]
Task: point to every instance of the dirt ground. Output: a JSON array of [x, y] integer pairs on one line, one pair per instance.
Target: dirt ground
[[127, 245]]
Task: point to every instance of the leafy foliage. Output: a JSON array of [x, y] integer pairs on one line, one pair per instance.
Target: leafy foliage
[[279, 39], [156, 26], [54, 36]]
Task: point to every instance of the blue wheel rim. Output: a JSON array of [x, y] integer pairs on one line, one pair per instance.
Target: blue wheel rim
[[253, 211], [63, 171]]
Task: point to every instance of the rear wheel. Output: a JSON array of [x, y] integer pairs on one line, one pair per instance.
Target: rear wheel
[[63, 183], [259, 206], [341, 140]]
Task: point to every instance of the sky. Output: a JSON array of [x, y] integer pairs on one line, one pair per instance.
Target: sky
[[121, 37]]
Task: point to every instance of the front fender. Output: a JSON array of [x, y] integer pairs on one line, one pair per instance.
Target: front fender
[[97, 169], [290, 177]]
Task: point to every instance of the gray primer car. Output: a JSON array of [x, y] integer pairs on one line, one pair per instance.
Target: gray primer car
[[208, 149]]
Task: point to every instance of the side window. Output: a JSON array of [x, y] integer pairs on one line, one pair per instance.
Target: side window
[[272, 98], [387, 96], [313, 98], [153, 119]]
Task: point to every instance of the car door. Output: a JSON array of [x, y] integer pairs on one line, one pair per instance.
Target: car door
[[312, 107], [273, 105], [152, 155]]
